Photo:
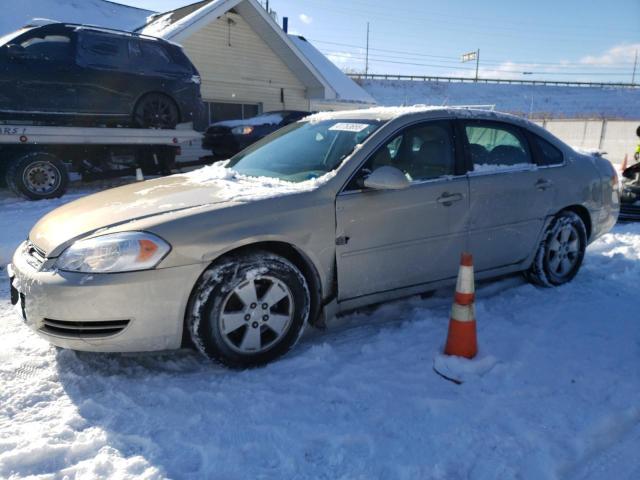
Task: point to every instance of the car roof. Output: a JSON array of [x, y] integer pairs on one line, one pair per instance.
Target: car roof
[[385, 114], [43, 23]]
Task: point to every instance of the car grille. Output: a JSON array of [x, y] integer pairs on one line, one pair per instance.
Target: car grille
[[65, 328], [218, 131], [34, 256]]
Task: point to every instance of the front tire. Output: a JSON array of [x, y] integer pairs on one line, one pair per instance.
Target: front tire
[[249, 310], [561, 252], [37, 176]]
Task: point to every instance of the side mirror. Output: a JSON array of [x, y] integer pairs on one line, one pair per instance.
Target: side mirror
[[386, 178]]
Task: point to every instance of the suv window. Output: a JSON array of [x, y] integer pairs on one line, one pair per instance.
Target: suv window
[[155, 55], [547, 153], [100, 49], [422, 152], [52, 47], [496, 146]]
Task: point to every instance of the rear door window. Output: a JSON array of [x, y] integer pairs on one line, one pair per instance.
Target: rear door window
[[155, 57], [496, 146], [98, 49], [547, 154]]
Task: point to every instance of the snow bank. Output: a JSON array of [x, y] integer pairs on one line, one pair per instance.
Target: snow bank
[[537, 101], [554, 394]]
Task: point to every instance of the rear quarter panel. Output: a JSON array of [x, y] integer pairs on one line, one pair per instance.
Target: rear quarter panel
[[586, 182]]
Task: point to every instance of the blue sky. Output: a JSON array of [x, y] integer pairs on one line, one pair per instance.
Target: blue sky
[[554, 39]]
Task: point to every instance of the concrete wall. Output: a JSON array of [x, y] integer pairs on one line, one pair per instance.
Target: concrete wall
[[615, 137]]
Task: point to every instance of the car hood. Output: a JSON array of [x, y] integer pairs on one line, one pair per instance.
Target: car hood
[[120, 205]]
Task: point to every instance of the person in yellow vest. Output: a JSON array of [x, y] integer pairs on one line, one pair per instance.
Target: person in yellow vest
[[636, 155]]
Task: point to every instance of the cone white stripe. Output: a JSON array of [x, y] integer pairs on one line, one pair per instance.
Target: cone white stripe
[[463, 313], [465, 280]]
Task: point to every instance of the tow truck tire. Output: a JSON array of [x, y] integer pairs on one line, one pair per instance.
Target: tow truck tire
[[37, 176]]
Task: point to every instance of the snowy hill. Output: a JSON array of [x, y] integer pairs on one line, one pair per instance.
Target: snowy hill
[[94, 12], [537, 101]]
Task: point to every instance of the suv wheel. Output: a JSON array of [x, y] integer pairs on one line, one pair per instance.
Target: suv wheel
[[249, 310], [37, 176], [156, 110], [560, 254]]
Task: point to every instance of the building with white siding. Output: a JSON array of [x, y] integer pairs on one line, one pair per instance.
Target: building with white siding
[[249, 65]]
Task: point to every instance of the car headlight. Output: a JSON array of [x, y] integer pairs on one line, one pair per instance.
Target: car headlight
[[246, 130], [117, 252]]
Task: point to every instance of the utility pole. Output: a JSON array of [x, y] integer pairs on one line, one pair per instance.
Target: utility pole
[[477, 63], [635, 65], [366, 64]]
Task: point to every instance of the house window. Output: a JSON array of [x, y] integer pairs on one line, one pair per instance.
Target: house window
[[218, 111]]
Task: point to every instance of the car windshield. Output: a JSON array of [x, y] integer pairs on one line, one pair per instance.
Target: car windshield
[[5, 39], [303, 150]]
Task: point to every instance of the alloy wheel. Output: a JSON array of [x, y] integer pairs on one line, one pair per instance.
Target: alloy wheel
[[256, 314], [564, 251]]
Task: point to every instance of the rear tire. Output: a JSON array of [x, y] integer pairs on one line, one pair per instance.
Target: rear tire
[[37, 176], [249, 310], [156, 110], [561, 252]]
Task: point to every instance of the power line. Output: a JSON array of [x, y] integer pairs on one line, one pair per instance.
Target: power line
[[384, 60], [450, 59]]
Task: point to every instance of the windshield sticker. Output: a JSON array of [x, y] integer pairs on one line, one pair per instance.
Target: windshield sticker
[[349, 127]]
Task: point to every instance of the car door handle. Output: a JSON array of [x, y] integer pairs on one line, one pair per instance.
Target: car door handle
[[543, 184], [447, 199]]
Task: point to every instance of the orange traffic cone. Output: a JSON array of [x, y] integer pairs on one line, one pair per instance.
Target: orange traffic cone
[[461, 339], [624, 162]]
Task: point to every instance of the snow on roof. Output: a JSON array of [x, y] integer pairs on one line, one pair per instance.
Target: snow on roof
[[179, 24], [346, 89], [170, 24], [95, 12]]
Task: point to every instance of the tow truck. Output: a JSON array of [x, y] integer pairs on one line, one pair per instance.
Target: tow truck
[[36, 160]]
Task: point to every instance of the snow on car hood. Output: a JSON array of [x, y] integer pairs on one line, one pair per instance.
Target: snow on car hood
[[209, 186]]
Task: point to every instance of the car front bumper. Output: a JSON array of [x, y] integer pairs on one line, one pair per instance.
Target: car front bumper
[[630, 211], [120, 312]]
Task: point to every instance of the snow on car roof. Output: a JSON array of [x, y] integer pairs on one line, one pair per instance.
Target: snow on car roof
[[389, 113]]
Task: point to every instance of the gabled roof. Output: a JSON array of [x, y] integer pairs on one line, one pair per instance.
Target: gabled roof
[[182, 26], [346, 89], [324, 81]]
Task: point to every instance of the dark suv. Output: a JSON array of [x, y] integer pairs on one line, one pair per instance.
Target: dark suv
[[67, 74]]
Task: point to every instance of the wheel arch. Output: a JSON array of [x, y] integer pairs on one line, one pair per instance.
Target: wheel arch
[[156, 92], [277, 247], [584, 215]]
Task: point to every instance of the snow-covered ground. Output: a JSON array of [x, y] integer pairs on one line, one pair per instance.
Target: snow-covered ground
[[537, 101], [16, 14], [558, 396]]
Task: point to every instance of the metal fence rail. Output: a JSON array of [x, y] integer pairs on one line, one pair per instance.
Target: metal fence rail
[[425, 78]]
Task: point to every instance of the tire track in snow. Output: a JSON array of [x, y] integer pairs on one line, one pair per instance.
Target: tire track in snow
[[616, 457]]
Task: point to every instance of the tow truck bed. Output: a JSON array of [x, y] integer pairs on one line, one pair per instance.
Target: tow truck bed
[[35, 161]]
